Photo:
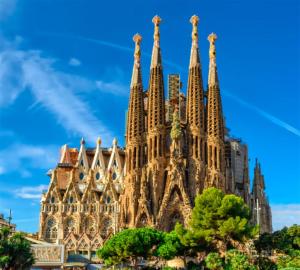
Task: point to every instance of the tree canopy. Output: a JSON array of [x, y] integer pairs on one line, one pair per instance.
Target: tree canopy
[[15, 252], [217, 218], [130, 244]]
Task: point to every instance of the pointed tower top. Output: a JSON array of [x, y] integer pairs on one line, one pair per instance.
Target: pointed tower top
[[98, 141], [213, 74], [115, 142], [156, 20], [137, 38], [82, 141], [194, 58], [212, 49], [194, 21], [156, 57], [136, 76]]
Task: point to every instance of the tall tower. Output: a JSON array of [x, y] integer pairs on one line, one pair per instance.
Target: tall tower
[[215, 124], [156, 132], [195, 116], [135, 141], [261, 211]]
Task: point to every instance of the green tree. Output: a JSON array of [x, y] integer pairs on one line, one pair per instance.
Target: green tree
[[15, 252], [236, 260], [129, 245], [285, 240], [213, 261], [222, 220], [290, 260], [176, 244]]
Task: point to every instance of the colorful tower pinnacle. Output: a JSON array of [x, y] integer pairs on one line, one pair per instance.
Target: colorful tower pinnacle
[[215, 124], [195, 114]]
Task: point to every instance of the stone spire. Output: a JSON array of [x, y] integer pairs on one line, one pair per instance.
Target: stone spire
[[135, 143], [136, 72], [215, 123], [194, 59], [135, 124], [261, 211], [156, 55], [156, 100], [195, 114], [213, 74]]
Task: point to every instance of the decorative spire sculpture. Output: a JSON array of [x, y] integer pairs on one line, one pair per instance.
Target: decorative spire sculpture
[[213, 75], [136, 73], [156, 57]]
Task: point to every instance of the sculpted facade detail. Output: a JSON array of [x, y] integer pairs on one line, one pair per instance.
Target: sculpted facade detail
[[173, 150]]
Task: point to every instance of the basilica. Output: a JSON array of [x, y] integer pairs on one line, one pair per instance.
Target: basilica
[[175, 148]]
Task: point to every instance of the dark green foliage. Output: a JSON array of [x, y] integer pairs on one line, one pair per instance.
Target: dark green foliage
[[220, 217], [284, 241], [170, 246], [130, 244], [15, 252], [265, 263]]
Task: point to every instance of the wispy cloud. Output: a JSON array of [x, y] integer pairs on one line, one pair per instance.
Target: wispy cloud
[[285, 215], [115, 46], [52, 89], [32, 192], [115, 88], [264, 114], [23, 158], [74, 62]]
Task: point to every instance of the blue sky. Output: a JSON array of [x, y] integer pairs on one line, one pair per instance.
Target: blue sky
[[65, 68]]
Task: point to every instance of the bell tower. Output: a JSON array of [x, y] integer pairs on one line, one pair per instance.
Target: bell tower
[[195, 116], [135, 141], [156, 129], [215, 124]]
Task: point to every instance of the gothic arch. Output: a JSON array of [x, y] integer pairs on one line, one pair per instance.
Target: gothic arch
[[69, 225], [89, 225], [173, 194], [51, 229], [106, 227]]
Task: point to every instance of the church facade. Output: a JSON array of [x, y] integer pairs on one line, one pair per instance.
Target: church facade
[[175, 148]]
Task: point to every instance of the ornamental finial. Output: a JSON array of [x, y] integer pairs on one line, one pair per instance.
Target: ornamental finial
[[115, 142], [82, 141], [156, 20], [212, 49], [137, 38], [98, 141], [194, 21]]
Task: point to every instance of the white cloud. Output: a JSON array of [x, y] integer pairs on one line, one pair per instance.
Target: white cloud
[[22, 158], [74, 62], [273, 119], [56, 91], [285, 215], [115, 88], [6, 8], [30, 192]]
